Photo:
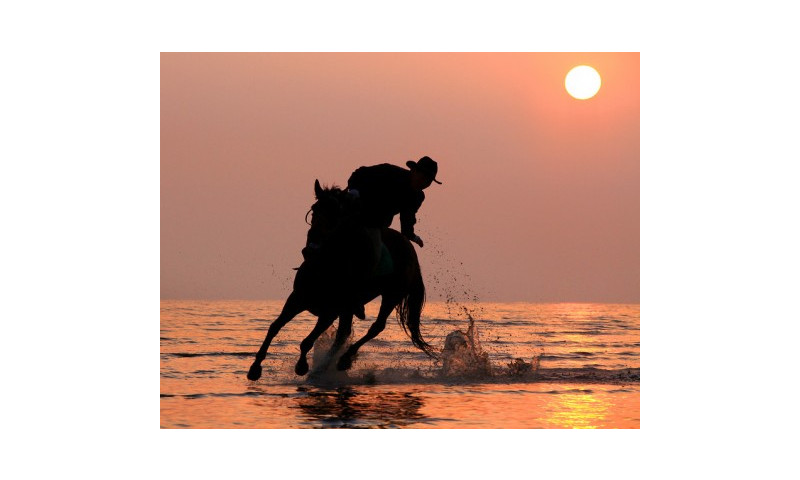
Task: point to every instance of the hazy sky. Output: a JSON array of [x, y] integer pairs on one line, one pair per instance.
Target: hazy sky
[[540, 194]]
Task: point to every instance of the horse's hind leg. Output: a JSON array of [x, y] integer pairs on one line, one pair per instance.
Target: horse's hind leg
[[323, 323], [291, 308], [346, 360]]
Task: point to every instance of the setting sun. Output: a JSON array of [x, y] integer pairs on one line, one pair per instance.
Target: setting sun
[[582, 82]]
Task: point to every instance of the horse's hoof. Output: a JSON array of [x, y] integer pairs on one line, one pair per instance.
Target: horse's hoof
[[254, 373], [302, 367], [344, 363]]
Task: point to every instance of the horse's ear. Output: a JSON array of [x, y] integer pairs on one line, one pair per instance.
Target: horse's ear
[[317, 189]]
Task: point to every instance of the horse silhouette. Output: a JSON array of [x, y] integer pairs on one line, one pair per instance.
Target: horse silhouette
[[336, 280]]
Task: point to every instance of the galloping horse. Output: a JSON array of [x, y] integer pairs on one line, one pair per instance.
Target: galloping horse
[[332, 282]]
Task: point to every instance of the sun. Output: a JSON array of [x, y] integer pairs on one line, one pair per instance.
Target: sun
[[582, 82]]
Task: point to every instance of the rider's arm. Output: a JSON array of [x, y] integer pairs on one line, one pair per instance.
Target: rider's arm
[[408, 215]]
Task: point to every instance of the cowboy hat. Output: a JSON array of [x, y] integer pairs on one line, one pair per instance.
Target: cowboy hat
[[427, 166]]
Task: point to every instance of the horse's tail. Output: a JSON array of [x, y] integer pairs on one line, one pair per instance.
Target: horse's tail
[[410, 310]]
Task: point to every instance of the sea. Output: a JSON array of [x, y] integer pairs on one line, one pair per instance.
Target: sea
[[499, 366]]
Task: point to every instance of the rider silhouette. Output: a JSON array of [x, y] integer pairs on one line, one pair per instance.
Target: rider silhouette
[[386, 190]]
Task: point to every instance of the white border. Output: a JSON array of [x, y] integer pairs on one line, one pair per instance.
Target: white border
[[80, 190]]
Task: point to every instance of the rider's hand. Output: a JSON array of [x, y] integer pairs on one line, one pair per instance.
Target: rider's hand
[[417, 240]]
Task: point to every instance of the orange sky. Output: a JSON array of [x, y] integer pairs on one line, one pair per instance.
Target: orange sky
[[540, 200]]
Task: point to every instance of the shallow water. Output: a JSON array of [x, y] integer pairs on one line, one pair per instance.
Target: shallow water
[[513, 365]]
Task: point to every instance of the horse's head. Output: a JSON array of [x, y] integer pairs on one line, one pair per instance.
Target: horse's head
[[327, 213]]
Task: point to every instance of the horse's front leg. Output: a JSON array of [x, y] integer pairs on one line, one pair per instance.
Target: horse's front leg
[[323, 323], [342, 334], [291, 308]]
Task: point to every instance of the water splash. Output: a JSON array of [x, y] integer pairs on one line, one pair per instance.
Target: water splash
[[462, 354], [323, 361], [461, 358], [450, 279]]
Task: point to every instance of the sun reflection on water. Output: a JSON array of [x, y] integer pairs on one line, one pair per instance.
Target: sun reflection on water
[[577, 410]]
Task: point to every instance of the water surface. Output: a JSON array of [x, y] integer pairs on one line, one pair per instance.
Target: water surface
[[526, 366]]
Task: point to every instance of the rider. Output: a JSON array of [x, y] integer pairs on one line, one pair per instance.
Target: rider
[[386, 190]]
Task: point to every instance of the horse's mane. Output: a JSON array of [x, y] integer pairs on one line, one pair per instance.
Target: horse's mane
[[333, 189], [345, 200]]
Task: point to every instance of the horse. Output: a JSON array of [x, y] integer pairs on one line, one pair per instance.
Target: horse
[[331, 282]]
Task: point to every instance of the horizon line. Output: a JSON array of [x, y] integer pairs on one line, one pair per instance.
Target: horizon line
[[426, 301]]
